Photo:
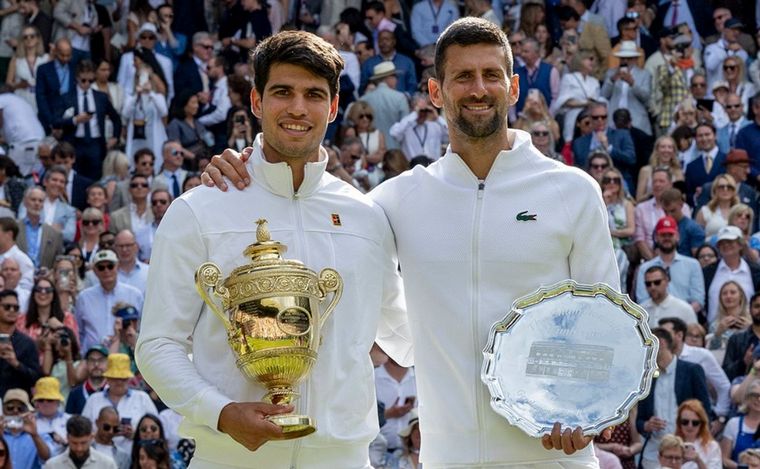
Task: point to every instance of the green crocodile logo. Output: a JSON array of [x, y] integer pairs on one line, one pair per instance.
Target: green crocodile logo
[[523, 216]]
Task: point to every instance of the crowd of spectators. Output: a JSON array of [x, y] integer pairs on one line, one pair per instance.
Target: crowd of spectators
[[110, 109]]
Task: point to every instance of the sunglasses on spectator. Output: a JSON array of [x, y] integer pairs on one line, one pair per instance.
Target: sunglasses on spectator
[[649, 283], [159, 202], [600, 117], [135, 185], [367, 116], [44, 290], [600, 166], [149, 428], [753, 395], [85, 80], [725, 187], [14, 408], [207, 46], [729, 67], [612, 180], [29, 36], [110, 428], [540, 133], [91, 222], [10, 307], [103, 266], [733, 106], [698, 84], [148, 37], [687, 422]]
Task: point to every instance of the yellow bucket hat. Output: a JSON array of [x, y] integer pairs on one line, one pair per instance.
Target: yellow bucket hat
[[119, 366], [48, 388]]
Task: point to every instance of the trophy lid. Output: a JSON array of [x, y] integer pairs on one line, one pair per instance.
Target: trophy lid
[[264, 248]]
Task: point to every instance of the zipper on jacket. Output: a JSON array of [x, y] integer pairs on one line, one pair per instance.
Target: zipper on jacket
[[303, 400], [474, 307]]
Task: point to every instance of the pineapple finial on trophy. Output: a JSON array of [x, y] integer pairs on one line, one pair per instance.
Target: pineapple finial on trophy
[[262, 231]]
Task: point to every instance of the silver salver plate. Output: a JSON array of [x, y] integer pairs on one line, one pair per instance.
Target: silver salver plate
[[577, 354]]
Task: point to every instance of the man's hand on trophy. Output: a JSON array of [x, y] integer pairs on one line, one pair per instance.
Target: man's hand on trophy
[[230, 164], [569, 440], [246, 422]]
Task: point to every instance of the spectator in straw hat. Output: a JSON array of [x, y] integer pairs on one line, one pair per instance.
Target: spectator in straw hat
[[628, 86], [51, 420], [390, 105], [131, 404], [25, 444]]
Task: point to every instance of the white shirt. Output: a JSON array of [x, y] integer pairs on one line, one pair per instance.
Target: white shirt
[[715, 54], [96, 460], [195, 230], [723, 274], [715, 375], [93, 122], [57, 424], [25, 265], [20, 123], [671, 307], [391, 392], [139, 221], [133, 406], [221, 102], [48, 211], [126, 75], [425, 139], [665, 407]]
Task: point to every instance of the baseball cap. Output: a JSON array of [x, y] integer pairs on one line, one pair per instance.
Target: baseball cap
[[666, 224], [729, 233], [105, 255]]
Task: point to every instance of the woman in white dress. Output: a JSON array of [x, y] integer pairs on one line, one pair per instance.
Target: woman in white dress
[[714, 215], [577, 90], [144, 109], [22, 70]]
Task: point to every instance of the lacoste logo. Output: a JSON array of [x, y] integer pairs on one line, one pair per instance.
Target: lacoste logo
[[523, 216]]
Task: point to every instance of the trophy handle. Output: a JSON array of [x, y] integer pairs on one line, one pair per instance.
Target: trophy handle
[[330, 281], [207, 276]]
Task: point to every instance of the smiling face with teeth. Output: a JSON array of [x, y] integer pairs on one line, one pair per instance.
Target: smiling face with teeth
[[294, 109]]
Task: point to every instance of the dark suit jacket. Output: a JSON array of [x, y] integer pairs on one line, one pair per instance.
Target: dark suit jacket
[[79, 191], [623, 152], [709, 274], [733, 360], [103, 108], [51, 243], [14, 192], [44, 23], [187, 76], [701, 11], [696, 175], [690, 383], [50, 103]]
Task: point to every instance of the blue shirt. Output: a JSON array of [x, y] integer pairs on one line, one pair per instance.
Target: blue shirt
[[22, 450], [407, 77], [691, 234], [686, 280], [94, 311], [428, 22], [748, 139], [33, 234], [64, 75], [138, 278]]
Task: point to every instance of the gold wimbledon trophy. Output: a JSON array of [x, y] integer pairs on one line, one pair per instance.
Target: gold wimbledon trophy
[[273, 321]]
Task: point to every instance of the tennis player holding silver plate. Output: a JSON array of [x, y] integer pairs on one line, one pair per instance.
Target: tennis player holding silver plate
[[578, 354]]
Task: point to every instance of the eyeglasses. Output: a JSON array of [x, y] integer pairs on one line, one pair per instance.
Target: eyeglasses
[[44, 290], [732, 106], [29, 36], [698, 85], [207, 46], [147, 37], [649, 283], [598, 118], [110, 428], [9, 307], [540, 133], [753, 395], [366, 116], [14, 408], [84, 81], [91, 222], [707, 255], [725, 187], [136, 185], [690, 422], [729, 68], [149, 428], [124, 246], [613, 180], [516, 43], [159, 202], [743, 215], [103, 266], [600, 166]]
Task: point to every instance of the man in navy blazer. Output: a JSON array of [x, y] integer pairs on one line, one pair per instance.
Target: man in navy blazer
[[192, 72], [615, 142], [684, 379], [55, 79], [64, 154], [701, 13], [83, 122], [708, 165]]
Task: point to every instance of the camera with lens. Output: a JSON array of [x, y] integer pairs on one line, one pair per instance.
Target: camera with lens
[[138, 132], [14, 422], [64, 339], [240, 119]]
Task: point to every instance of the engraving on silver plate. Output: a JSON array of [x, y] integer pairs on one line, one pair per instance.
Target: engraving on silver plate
[[578, 354]]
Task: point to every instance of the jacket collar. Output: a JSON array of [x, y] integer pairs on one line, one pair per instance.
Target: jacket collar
[[277, 177], [456, 170]]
